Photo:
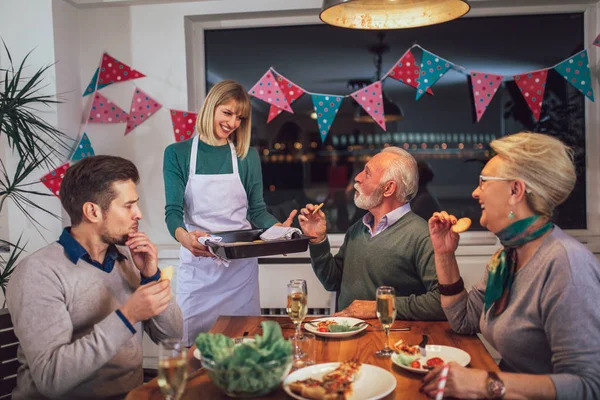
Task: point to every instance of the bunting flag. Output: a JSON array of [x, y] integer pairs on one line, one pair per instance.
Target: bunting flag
[[576, 70], [268, 90], [484, 88], [142, 107], [112, 70], [92, 86], [371, 99], [326, 107], [432, 69], [183, 124], [84, 149], [53, 179], [105, 111], [407, 71], [597, 41], [532, 86], [291, 91]]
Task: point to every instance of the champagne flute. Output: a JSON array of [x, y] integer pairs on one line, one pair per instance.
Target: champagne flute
[[297, 300], [386, 312], [172, 368]]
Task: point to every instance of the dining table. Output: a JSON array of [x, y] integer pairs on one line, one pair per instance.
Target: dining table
[[361, 346]]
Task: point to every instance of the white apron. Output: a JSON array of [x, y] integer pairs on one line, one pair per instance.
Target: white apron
[[205, 290]]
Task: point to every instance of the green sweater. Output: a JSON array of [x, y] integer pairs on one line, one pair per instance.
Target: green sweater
[[211, 160], [401, 256]]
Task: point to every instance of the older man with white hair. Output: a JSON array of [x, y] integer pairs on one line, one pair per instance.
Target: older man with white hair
[[389, 247]]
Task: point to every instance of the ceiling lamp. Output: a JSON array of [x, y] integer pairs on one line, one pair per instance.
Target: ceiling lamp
[[391, 14]]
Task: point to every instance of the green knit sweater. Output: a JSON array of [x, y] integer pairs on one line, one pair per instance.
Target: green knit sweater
[[211, 160], [401, 256]]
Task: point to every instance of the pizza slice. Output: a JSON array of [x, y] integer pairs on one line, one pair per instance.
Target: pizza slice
[[335, 385]]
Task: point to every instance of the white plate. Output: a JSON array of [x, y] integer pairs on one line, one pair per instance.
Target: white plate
[[446, 353], [339, 320], [372, 383]]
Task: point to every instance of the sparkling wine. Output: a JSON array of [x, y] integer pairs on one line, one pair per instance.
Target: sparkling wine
[[172, 374], [296, 307], [386, 309]]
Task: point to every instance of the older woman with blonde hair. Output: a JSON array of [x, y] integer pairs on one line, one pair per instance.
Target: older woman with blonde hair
[[213, 183], [537, 302]]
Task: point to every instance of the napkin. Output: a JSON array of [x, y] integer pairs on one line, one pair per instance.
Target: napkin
[[280, 233], [218, 259]]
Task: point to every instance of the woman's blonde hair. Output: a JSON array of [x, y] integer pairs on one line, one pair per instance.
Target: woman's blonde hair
[[221, 93], [544, 163]]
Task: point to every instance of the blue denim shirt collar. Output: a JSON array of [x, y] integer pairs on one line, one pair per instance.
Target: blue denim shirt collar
[[75, 251]]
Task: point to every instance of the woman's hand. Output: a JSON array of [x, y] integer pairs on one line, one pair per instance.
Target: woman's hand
[[288, 222], [189, 240], [461, 382], [313, 224], [444, 240]]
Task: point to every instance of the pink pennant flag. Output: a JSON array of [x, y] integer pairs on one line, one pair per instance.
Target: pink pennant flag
[[290, 90], [142, 107], [273, 112], [53, 179], [268, 90], [183, 124], [104, 111], [112, 70], [371, 99], [597, 41], [532, 86], [484, 88], [407, 70]]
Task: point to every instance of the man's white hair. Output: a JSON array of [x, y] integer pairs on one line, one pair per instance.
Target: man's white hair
[[402, 170]]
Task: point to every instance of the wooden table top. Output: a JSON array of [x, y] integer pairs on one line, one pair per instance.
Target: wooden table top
[[361, 346]]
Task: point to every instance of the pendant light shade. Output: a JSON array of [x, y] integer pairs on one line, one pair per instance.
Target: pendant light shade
[[390, 14]]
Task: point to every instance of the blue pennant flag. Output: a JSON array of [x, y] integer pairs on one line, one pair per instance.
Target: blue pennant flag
[[326, 108], [576, 70], [84, 149], [92, 86], [432, 69]]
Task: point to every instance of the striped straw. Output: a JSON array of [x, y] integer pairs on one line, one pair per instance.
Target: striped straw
[[442, 383]]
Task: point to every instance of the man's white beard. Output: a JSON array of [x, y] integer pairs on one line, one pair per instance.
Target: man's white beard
[[368, 202]]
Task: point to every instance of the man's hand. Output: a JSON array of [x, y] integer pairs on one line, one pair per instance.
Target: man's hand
[[363, 309], [189, 240], [147, 301], [313, 224], [144, 253]]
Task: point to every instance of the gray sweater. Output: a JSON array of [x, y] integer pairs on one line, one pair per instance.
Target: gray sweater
[[401, 256], [72, 342], [552, 322]]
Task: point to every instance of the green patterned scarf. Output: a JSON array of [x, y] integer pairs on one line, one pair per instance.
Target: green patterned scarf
[[503, 264]]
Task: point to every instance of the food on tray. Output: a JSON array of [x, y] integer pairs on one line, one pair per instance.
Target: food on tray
[[166, 273], [461, 225], [333, 326], [334, 385]]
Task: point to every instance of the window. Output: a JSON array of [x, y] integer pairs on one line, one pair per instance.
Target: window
[[439, 130]]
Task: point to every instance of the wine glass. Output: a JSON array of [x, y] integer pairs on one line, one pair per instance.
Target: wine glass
[[386, 312], [297, 300], [172, 368]]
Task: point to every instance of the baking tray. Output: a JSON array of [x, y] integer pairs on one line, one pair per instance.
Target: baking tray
[[226, 249]]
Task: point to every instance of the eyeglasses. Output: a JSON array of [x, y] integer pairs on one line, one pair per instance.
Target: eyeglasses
[[483, 178]]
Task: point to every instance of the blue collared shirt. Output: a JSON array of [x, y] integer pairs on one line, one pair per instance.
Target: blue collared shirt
[[388, 219]]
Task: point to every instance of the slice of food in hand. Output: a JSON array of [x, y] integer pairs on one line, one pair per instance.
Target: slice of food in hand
[[166, 273], [407, 353], [461, 225]]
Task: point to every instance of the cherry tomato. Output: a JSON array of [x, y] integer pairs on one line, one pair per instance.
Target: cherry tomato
[[323, 330], [435, 362], [415, 364]]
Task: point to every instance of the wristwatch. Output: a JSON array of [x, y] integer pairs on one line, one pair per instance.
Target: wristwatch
[[495, 386]]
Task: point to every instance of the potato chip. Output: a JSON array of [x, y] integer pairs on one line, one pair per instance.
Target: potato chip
[[461, 225], [166, 273]]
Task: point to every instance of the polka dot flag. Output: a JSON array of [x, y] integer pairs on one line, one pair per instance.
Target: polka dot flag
[[597, 41], [326, 108], [576, 70], [407, 71], [53, 179], [432, 69], [532, 86], [92, 86], [142, 107], [112, 70], [371, 99], [104, 111], [183, 124], [484, 88], [84, 149], [290, 90], [268, 90]]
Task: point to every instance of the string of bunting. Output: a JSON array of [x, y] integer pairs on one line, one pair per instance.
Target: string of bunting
[[280, 93]]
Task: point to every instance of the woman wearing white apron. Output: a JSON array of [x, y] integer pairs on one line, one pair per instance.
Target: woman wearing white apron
[[212, 185]]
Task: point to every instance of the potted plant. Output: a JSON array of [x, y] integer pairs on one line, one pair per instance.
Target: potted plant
[[33, 142]]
